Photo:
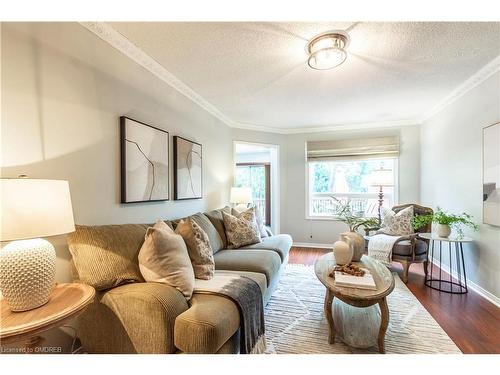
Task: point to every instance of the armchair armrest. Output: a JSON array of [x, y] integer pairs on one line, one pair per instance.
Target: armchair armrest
[[368, 230], [147, 312]]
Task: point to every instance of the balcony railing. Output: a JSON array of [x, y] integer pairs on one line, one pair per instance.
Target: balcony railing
[[362, 204]]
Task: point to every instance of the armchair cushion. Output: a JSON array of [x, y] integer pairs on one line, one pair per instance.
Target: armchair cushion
[[403, 248]]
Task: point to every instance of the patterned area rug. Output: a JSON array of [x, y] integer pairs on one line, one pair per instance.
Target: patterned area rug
[[295, 322]]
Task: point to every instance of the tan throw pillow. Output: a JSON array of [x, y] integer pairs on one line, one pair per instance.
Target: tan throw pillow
[[164, 258], [240, 231], [398, 224], [198, 245], [247, 214]]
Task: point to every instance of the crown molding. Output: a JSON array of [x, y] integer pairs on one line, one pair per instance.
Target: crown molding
[[108, 34], [329, 128], [129, 49], [473, 81]]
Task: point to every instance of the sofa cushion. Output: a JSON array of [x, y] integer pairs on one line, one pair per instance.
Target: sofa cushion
[[211, 320], [403, 248], [213, 234], [267, 262], [206, 325], [280, 243], [215, 217], [116, 322], [106, 256]]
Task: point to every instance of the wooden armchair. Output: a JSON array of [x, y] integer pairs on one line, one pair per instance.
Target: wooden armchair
[[412, 249]]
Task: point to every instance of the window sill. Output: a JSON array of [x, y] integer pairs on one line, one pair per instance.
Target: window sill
[[322, 218]]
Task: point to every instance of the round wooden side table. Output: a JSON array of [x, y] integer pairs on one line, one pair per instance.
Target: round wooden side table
[[65, 303], [459, 286]]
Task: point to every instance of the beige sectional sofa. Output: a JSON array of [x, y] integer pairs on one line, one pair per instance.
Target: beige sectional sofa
[[130, 315]]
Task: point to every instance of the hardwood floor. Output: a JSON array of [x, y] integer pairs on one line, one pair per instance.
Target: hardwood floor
[[470, 320]]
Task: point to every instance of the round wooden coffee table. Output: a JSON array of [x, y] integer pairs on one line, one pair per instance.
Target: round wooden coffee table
[[354, 325]]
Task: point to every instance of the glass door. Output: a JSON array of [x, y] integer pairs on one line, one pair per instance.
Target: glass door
[[257, 177]]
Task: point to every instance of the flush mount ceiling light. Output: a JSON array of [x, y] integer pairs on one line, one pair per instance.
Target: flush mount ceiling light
[[327, 50]]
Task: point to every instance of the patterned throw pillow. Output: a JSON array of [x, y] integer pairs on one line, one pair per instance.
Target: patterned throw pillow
[[247, 214], [199, 249], [241, 231], [398, 224]]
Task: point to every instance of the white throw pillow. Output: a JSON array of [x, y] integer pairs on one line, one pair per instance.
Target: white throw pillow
[[398, 224], [164, 258]]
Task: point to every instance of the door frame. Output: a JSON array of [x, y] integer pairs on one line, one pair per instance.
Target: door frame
[[275, 179]]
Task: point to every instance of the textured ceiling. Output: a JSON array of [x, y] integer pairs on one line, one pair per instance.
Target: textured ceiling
[[257, 74]]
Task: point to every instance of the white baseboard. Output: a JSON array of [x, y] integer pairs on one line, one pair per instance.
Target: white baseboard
[[310, 244], [470, 284]]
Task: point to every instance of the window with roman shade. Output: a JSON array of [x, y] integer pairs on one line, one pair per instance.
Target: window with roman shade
[[343, 169]]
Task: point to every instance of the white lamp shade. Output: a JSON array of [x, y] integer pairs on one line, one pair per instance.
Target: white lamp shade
[[33, 208], [241, 195], [382, 177]]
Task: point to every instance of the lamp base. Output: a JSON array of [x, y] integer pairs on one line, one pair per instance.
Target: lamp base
[[27, 273]]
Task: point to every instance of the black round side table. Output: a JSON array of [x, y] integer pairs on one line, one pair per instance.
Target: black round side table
[[456, 282]]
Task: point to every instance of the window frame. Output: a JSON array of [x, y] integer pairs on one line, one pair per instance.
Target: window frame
[[308, 215]]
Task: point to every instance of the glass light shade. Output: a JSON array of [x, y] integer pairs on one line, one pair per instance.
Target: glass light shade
[[327, 58], [326, 51], [34, 208], [241, 195], [382, 177]]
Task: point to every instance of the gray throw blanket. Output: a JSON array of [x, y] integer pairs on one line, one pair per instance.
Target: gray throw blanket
[[246, 294]]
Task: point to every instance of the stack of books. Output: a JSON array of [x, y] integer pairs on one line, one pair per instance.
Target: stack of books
[[361, 282]]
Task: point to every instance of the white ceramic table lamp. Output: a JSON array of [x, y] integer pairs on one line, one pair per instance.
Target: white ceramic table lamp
[[241, 196], [31, 209], [381, 178]]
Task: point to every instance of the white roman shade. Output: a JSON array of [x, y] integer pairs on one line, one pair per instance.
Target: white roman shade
[[359, 148]]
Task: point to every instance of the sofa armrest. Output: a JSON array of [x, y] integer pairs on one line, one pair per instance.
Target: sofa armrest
[[147, 312]]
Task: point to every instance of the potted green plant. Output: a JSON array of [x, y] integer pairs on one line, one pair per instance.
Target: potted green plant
[[445, 221], [344, 213]]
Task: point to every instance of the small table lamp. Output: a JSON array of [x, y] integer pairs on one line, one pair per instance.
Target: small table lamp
[[31, 208], [381, 178], [241, 196]]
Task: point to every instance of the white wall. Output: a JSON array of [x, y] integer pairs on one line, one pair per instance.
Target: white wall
[[293, 177], [63, 90], [451, 150]]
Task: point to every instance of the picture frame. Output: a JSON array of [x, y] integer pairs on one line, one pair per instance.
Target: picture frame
[[144, 159], [188, 169], [491, 174]]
